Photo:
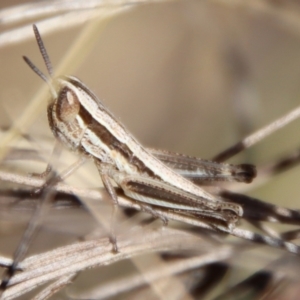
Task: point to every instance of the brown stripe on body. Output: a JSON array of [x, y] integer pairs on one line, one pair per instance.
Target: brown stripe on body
[[50, 118], [86, 90], [171, 196], [113, 143]]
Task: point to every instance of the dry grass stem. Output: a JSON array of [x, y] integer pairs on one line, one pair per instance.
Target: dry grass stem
[[205, 50]]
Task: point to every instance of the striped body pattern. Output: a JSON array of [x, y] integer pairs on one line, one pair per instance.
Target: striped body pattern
[[83, 124]]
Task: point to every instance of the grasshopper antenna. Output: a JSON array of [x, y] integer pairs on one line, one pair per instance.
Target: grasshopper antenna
[[47, 62], [43, 50]]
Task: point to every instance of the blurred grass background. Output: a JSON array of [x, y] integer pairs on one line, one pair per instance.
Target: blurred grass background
[[187, 76]]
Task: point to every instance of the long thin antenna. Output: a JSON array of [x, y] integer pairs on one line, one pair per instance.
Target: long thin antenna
[[43, 50], [37, 71], [47, 62]]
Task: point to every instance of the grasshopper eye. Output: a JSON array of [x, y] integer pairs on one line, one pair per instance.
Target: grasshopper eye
[[68, 105]]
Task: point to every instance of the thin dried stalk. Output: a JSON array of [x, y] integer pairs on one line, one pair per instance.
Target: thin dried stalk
[[63, 263], [68, 260]]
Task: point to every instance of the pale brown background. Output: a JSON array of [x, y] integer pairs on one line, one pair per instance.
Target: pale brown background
[[190, 76]]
